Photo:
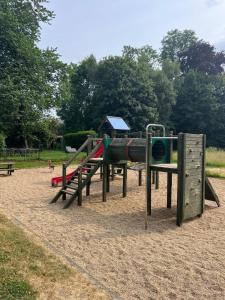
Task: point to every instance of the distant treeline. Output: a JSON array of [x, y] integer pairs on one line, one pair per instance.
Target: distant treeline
[[181, 86]]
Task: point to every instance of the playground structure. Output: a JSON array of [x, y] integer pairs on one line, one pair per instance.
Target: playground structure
[[155, 154]]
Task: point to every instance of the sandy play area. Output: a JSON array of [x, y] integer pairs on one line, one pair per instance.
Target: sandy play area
[[108, 241]]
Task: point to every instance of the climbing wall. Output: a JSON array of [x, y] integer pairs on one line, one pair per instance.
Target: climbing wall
[[191, 176]]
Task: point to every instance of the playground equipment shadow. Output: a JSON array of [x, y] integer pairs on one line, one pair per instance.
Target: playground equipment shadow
[[108, 241]]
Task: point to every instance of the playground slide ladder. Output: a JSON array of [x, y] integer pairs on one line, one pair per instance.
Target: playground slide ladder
[[81, 179]]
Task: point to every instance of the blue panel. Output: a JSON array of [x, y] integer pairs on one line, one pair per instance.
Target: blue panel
[[117, 123]]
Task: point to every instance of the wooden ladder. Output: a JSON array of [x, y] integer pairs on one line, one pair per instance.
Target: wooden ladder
[[81, 179]]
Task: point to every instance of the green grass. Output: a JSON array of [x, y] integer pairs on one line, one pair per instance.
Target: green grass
[[215, 162], [22, 260], [215, 173], [28, 271], [57, 157]]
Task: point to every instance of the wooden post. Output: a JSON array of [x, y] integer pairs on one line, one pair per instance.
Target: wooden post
[[148, 173], [104, 182], [108, 178], [125, 180], [101, 172], [88, 188], [64, 180], [203, 171], [181, 176], [153, 177], [113, 172], [169, 189], [157, 180], [140, 177], [80, 189]]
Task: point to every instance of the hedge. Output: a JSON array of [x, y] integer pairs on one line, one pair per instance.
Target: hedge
[[76, 139]]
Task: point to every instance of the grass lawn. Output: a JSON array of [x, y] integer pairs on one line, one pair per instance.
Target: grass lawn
[[21, 259], [215, 160], [28, 270], [56, 156]]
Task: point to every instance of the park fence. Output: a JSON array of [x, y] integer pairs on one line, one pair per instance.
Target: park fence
[[19, 153]]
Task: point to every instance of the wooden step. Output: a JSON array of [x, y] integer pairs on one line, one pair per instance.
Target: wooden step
[[68, 192], [73, 182], [91, 164], [88, 168], [71, 187]]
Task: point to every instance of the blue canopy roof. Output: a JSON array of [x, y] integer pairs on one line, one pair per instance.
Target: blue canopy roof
[[115, 123]]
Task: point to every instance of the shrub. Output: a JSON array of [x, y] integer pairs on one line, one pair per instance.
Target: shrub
[[76, 139], [2, 141]]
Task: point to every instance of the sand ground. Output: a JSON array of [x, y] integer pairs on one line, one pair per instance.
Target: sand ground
[[108, 242]]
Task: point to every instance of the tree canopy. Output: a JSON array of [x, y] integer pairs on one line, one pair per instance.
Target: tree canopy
[[181, 86], [29, 76]]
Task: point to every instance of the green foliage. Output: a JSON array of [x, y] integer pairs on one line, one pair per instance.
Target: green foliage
[[175, 42], [47, 132], [200, 107], [203, 57], [124, 88], [129, 86], [29, 76], [76, 111], [143, 55], [2, 141], [76, 139]]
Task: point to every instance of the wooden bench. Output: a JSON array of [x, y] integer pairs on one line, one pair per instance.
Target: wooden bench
[[8, 167]]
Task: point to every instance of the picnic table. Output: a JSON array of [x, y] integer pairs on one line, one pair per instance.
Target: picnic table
[[7, 166]]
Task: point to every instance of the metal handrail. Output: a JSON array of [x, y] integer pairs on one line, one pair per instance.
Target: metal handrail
[[164, 137], [156, 125]]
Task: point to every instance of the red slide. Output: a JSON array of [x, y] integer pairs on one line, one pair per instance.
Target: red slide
[[56, 180]]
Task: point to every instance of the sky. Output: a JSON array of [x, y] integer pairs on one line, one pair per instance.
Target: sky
[[103, 27]]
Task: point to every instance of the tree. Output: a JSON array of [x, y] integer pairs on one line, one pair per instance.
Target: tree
[[124, 88], [202, 56], [200, 107], [29, 77], [144, 55], [165, 94], [76, 111], [175, 42], [47, 131]]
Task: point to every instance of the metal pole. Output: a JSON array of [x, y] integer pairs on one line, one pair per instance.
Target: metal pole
[[157, 126], [125, 180], [148, 174]]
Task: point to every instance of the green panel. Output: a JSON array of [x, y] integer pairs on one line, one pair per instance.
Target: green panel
[[106, 141]]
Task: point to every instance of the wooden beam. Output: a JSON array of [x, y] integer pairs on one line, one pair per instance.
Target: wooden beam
[[169, 189], [125, 180]]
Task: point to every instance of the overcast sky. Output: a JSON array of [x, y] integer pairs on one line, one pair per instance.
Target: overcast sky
[[103, 27]]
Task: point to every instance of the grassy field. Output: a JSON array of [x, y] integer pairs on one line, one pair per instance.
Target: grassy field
[[215, 160], [27, 270], [56, 156]]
